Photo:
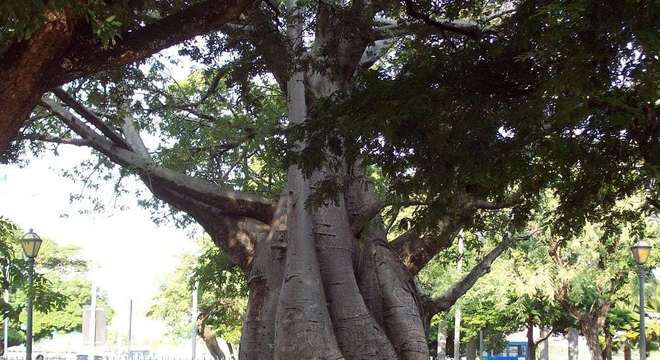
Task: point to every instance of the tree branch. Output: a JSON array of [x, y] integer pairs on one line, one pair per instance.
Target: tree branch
[[56, 140], [133, 137], [375, 51], [365, 216], [545, 337], [228, 201], [466, 28], [90, 116], [446, 300], [136, 44]]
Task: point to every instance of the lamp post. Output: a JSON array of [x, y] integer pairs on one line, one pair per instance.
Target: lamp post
[[641, 251], [31, 243]]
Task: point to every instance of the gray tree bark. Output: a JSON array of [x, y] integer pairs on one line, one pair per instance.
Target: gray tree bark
[[573, 337], [545, 351]]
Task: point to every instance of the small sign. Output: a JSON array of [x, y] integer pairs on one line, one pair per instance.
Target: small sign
[[100, 335]]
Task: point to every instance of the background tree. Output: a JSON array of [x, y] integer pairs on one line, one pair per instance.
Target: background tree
[[592, 287], [222, 296], [60, 289]]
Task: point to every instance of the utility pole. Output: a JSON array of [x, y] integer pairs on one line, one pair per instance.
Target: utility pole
[[457, 314], [5, 337], [193, 318]]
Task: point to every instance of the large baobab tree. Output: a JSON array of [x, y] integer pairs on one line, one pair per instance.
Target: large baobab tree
[[460, 130]]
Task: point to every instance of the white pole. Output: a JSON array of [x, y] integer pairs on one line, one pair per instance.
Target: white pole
[[193, 318], [92, 320], [457, 314], [130, 327]]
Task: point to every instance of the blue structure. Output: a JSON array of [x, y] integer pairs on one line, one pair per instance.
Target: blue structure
[[515, 350]]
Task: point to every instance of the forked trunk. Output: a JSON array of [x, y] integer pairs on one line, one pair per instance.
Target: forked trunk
[[319, 292]]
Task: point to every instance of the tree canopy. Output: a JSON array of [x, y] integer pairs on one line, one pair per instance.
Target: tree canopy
[[348, 143]]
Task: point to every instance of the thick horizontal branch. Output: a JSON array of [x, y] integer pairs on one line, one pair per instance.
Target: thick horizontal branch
[[228, 201], [446, 300], [66, 48], [137, 44]]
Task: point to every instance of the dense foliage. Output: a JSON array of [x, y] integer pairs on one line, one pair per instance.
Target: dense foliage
[[562, 97]]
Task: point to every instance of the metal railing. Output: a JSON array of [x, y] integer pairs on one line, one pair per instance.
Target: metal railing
[[78, 356]]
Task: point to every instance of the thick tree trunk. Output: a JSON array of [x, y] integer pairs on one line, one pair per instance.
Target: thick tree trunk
[[591, 325], [531, 345], [321, 287], [607, 351], [318, 288], [590, 333], [471, 349], [335, 295], [627, 351]]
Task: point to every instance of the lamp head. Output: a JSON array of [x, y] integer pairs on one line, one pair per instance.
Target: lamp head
[[641, 251], [31, 244]]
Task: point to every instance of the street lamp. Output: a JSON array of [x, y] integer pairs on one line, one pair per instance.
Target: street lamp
[[641, 251], [31, 243]]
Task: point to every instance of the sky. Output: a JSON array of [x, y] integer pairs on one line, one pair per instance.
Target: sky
[[130, 255]]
